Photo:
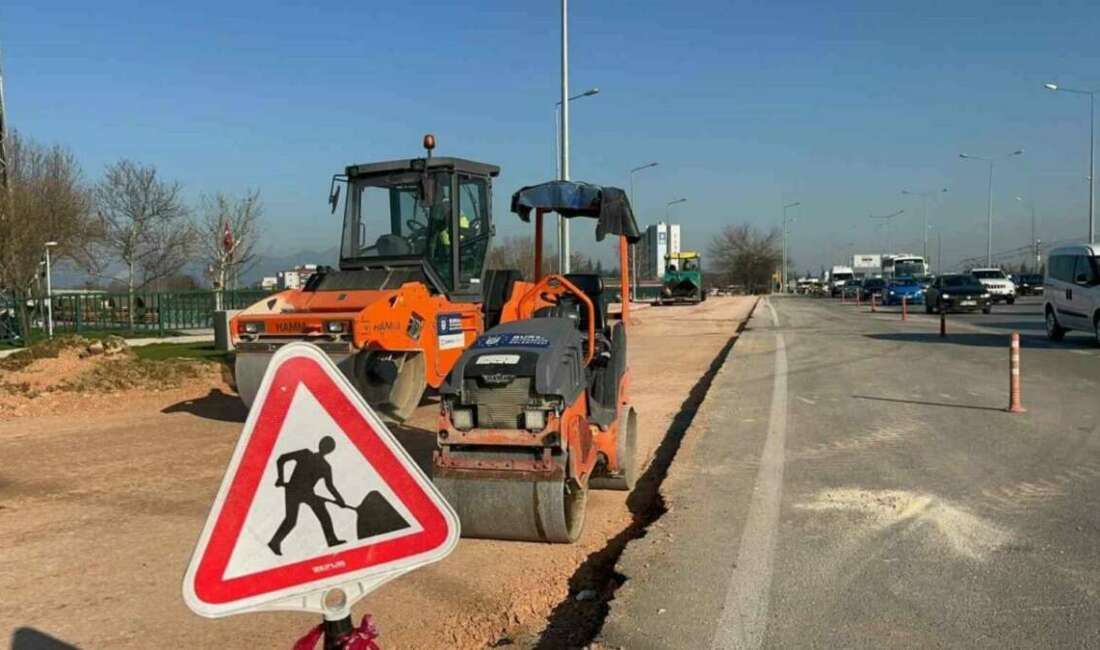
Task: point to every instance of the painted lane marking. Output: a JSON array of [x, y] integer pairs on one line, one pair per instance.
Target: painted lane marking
[[744, 619]]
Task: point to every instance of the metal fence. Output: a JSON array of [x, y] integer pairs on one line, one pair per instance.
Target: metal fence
[[157, 312]]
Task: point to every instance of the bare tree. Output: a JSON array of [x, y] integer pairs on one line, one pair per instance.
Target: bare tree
[[145, 225], [229, 231], [746, 255], [47, 202], [519, 253]]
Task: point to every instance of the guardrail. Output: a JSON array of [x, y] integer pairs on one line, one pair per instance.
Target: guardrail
[[157, 312]]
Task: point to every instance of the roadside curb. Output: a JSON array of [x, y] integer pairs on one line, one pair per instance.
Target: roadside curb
[[637, 567]]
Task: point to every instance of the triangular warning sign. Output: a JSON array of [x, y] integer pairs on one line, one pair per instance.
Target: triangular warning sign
[[318, 495]]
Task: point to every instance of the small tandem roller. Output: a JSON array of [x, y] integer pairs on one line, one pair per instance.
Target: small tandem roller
[[537, 411]]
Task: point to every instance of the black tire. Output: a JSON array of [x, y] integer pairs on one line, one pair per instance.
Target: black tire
[[1011, 301], [987, 310], [1096, 327], [1055, 332]]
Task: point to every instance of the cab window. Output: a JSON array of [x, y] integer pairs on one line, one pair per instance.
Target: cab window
[[473, 228]]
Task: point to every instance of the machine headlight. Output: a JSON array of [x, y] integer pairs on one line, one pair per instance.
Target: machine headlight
[[252, 327], [985, 295], [891, 293], [336, 326], [463, 418], [945, 295], [534, 420]]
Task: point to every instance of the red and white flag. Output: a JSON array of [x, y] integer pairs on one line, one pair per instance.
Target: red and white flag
[[227, 238]]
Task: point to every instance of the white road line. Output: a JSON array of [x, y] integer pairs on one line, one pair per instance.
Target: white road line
[[744, 620]]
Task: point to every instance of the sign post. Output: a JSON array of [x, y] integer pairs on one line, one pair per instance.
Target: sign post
[[319, 506]]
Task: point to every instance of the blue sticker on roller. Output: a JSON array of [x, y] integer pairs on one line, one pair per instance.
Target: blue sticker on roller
[[512, 340], [448, 323]]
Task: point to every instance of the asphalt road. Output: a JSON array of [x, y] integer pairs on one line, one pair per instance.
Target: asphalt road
[[854, 481]]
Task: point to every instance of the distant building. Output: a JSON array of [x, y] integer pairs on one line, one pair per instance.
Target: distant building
[[269, 282], [294, 278], [658, 240]]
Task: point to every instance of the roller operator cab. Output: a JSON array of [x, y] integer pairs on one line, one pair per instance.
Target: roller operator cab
[[408, 295], [537, 410]]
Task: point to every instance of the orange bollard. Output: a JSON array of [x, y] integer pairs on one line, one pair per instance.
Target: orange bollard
[[904, 308], [1014, 405], [943, 323], [872, 303], [858, 303]]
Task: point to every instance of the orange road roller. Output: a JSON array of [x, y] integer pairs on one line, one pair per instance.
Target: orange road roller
[[409, 294], [537, 411]]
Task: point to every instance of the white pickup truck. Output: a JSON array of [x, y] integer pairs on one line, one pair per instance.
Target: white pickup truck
[[999, 285]]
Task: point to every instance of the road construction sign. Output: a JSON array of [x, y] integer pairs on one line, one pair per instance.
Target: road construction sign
[[318, 496]]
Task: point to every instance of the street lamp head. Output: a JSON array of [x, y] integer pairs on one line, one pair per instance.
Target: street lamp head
[[1018, 152], [1050, 86], [963, 155], [591, 91], [50, 244]]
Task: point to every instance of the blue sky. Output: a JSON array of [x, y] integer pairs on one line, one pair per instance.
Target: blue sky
[[746, 105]]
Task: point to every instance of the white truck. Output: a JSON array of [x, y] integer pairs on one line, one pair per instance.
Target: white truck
[[867, 265], [837, 277]]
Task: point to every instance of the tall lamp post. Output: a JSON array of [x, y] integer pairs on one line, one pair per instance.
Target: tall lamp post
[[1092, 149], [924, 196], [888, 219], [668, 219], [786, 227], [49, 291], [989, 202], [561, 123], [634, 247], [1034, 233]]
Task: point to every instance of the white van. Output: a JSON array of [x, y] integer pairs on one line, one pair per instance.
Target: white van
[[838, 277], [1072, 290]]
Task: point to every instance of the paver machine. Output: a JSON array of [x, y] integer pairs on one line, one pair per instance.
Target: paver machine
[[537, 411], [408, 296], [683, 279]]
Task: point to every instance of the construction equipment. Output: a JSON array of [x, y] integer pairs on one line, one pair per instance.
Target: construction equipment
[[538, 410], [683, 280], [408, 295]]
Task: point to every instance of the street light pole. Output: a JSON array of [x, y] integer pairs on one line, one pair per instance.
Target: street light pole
[[634, 247], [1092, 150], [668, 219], [924, 196], [989, 201], [887, 220], [786, 227], [557, 128], [49, 291], [563, 223]]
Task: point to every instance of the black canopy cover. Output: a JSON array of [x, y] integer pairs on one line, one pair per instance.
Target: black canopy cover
[[608, 205]]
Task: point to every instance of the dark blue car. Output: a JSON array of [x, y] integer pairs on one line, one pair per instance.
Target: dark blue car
[[898, 288]]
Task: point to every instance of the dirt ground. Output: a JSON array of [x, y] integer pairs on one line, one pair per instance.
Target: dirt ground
[[102, 499]]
